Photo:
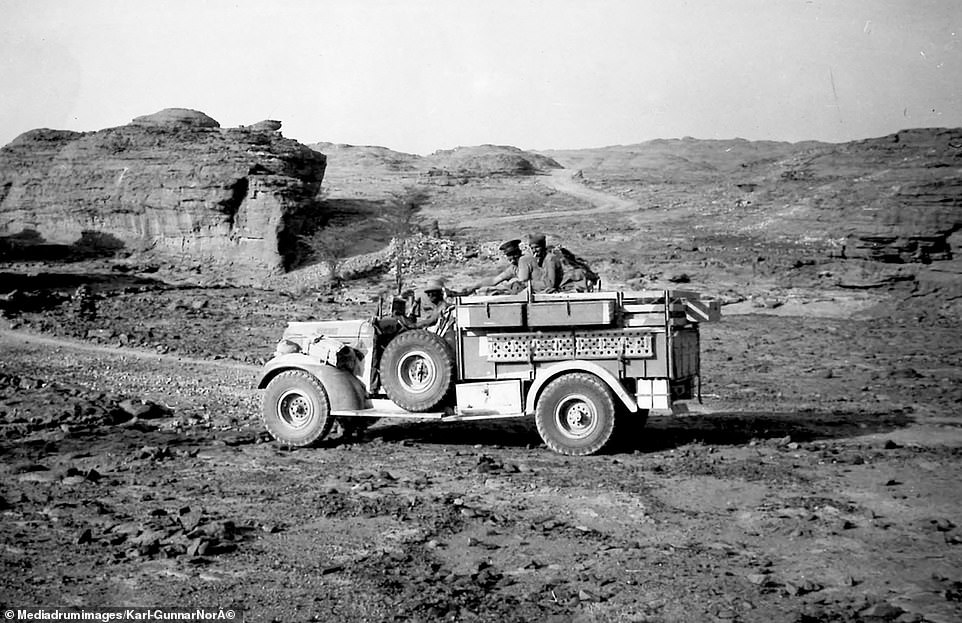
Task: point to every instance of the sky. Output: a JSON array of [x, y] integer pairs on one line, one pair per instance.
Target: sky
[[422, 75]]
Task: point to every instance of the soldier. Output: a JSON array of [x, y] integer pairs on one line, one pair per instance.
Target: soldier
[[428, 308], [433, 305], [512, 251], [541, 268]]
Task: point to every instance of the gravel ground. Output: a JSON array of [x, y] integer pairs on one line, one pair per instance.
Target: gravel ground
[[817, 482]]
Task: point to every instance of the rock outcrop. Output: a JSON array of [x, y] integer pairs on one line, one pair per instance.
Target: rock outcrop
[[174, 182], [920, 206]]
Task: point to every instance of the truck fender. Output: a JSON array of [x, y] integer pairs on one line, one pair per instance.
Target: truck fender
[[344, 391], [549, 373]]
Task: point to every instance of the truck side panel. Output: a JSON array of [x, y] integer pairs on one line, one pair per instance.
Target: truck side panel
[[474, 358], [655, 366]]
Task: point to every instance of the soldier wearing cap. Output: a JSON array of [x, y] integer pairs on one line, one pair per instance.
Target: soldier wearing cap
[[542, 269], [432, 304], [512, 251], [427, 308]]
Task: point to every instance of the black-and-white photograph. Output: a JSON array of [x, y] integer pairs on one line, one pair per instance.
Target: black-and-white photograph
[[513, 311]]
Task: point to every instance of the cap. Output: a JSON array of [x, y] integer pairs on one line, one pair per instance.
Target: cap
[[435, 285], [537, 239], [511, 247]]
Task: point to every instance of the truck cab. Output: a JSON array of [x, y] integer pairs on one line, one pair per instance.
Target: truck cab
[[585, 366]]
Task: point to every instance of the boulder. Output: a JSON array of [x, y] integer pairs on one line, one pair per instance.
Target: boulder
[[173, 182], [267, 125]]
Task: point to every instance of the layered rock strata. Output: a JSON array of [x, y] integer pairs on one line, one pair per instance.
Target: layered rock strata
[[174, 182]]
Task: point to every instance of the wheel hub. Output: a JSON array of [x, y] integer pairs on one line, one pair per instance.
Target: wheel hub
[[416, 372], [576, 417], [295, 409]]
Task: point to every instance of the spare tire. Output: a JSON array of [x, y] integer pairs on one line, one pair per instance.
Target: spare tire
[[417, 370]]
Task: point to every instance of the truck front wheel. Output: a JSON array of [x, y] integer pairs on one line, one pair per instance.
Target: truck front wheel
[[296, 410], [575, 414]]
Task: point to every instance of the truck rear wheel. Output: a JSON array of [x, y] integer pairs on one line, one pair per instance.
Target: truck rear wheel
[[575, 414], [295, 409], [417, 370]]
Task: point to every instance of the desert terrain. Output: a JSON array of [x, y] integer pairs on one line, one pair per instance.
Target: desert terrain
[[818, 479]]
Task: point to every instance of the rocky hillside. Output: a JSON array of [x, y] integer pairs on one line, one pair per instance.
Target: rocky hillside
[[896, 198], [893, 198], [353, 157], [174, 182], [366, 165]]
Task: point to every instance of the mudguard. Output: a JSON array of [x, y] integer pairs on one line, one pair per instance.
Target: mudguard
[[344, 390], [551, 372]]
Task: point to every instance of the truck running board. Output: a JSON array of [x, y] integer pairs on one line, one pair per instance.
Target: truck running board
[[437, 416], [387, 409]]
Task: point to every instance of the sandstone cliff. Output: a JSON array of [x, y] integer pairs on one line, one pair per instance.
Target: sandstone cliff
[[174, 182]]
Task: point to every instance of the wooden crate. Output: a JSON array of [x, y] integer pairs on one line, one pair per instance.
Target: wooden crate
[[491, 315], [571, 313]]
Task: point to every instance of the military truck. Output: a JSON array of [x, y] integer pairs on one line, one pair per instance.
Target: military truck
[[585, 366]]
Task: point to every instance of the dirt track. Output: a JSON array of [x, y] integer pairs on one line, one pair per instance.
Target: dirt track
[[57, 343], [561, 180]]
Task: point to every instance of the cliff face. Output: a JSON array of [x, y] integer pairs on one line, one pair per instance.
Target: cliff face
[[913, 195], [174, 182]]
